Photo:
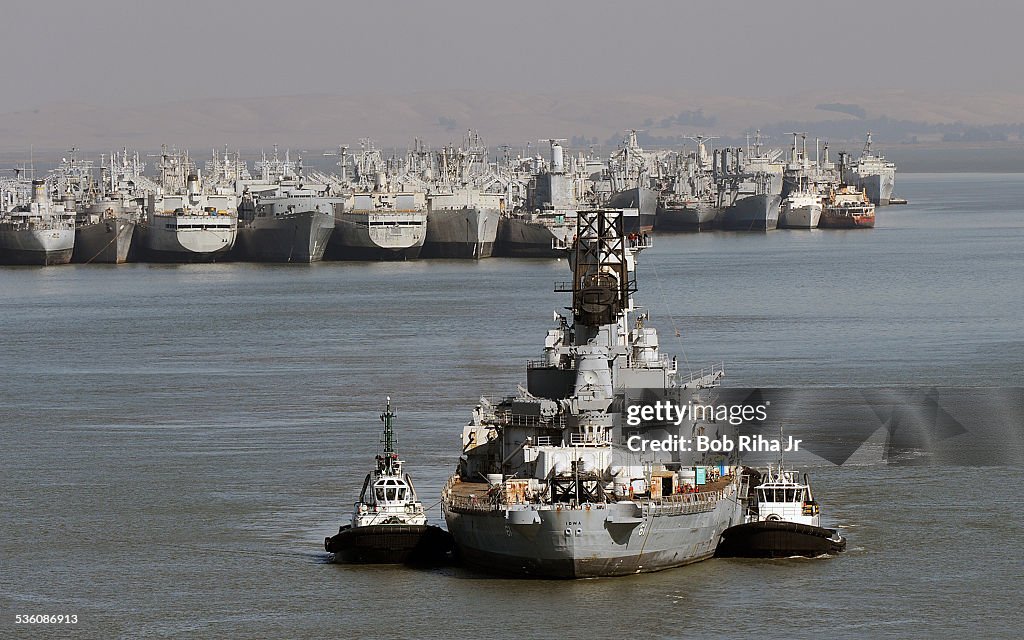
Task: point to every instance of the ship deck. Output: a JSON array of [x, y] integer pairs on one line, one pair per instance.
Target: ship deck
[[479, 496]]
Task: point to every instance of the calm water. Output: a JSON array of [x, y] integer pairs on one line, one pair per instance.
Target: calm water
[[178, 440]]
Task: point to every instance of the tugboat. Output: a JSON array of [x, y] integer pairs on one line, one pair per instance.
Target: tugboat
[[782, 520], [389, 524]]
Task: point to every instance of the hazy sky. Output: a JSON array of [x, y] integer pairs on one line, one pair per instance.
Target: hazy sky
[[101, 51]]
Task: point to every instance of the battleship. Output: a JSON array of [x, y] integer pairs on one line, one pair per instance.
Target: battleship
[[286, 224], [872, 173], [38, 232], [388, 524], [379, 226], [563, 496]]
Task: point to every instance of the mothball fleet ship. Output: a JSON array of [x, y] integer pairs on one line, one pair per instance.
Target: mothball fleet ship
[[552, 199], [872, 173], [462, 217], [39, 232], [563, 496], [192, 226]]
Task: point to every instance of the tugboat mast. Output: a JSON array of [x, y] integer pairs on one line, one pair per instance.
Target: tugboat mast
[[389, 433]]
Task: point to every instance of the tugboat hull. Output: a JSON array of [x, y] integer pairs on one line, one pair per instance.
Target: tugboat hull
[[390, 544], [778, 539]]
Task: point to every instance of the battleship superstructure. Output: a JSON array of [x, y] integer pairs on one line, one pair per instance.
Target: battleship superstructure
[[38, 232], [564, 496], [872, 173]]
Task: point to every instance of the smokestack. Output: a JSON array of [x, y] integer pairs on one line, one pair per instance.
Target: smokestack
[[39, 192]]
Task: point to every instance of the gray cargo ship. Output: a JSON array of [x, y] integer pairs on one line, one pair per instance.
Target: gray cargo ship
[[689, 201], [462, 224], [564, 497], [104, 231], [289, 224], [379, 226], [752, 212], [37, 233], [549, 220]]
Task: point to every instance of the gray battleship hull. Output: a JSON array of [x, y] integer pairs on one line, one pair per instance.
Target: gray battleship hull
[[589, 542], [36, 246], [519, 238], [696, 217], [352, 241], [299, 237], [759, 212], [105, 242], [461, 233]]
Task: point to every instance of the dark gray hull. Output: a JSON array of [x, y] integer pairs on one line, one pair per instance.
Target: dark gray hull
[[468, 233], [645, 200], [352, 241], [300, 237], [752, 213], [689, 218], [526, 239], [106, 242]]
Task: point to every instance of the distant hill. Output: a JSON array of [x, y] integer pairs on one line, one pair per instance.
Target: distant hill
[[319, 122]]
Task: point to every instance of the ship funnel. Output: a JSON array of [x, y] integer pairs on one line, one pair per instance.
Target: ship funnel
[[557, 159], [192, 184], [38, 191]]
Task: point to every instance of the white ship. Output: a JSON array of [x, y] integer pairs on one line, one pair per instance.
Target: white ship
[[190, 227], [380, 226]]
